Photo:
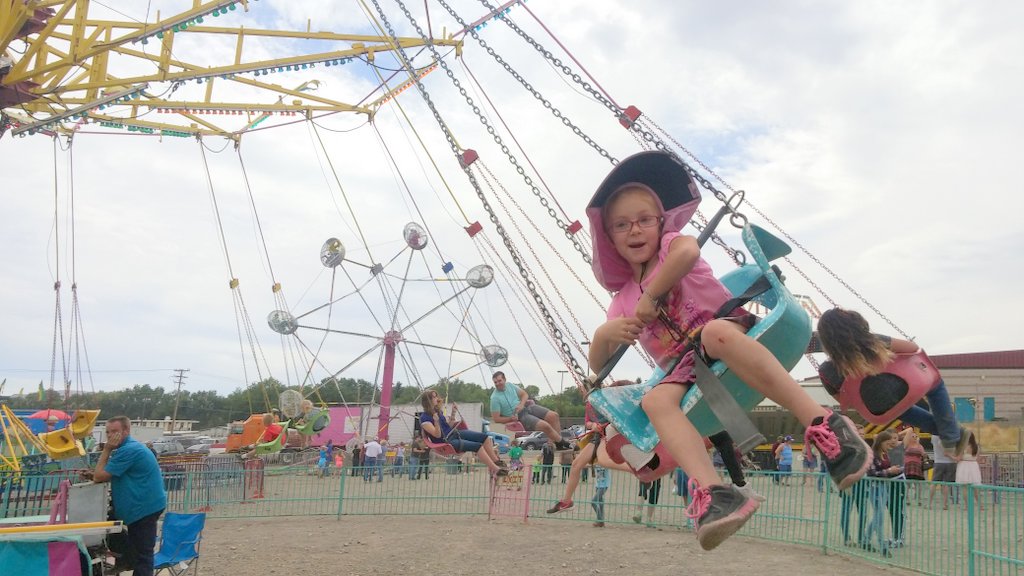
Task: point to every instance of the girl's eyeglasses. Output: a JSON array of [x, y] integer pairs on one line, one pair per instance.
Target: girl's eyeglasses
[[620, 227]]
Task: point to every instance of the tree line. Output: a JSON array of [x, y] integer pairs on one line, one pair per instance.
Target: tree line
[[208, 408]]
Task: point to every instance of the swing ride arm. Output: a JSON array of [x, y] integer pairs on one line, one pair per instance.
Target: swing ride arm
[[66, 65]]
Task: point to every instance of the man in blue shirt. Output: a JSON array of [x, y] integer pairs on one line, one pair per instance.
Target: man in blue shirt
[[137, 489], [509, 403]]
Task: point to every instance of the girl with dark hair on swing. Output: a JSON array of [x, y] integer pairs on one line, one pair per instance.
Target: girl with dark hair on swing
[[856, 356], [439, 431]]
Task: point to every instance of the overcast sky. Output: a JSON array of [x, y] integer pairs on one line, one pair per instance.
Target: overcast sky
[[879, 135]]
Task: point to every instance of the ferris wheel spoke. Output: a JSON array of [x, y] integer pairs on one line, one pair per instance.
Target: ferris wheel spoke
[[434, 309], [363, 298], [439, 347], [358, 358], [336, 331]]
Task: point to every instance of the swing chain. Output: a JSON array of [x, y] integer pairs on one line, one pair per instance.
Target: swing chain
[[494, 134], [536, 94], [556, 332], [738, 219]]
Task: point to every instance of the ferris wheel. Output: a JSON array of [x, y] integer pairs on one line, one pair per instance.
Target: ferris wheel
[[395, 303]]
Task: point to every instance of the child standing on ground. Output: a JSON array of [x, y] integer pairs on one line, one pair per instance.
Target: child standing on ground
[[339, 460], [967, 469], [602, 481], [663, 290], [515, 455], [321, 463]]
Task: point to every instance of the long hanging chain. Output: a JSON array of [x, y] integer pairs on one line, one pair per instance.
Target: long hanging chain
[[556, 332], [643, 137], [737, 219]]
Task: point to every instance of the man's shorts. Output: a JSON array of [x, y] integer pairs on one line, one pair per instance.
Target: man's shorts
[[945, 472], [532, 414]]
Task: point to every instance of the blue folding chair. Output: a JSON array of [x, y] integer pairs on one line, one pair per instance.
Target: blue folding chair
[[179, 543]]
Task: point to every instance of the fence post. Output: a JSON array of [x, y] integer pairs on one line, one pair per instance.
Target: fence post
[[186, 506], [971, 545], [828, 509], [341, 492]]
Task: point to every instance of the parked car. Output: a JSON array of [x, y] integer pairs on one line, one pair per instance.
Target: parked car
[[502, 441], [201, 447], [576, 431], [533, 441], [168, 448]]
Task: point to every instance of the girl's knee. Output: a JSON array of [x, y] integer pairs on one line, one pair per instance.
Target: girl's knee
[[718, 335], [661, 399]]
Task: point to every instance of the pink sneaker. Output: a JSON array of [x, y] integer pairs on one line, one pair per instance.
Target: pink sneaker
[[718, 512], [560, 506], [846, 454]]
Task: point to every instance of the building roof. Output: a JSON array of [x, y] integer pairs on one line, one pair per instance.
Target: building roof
[[1002, 359]]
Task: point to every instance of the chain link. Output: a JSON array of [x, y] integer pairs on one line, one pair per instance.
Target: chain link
[[791, 240], [556, 332]]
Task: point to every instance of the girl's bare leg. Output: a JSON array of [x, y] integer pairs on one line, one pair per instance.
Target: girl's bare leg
[[581, 461], [677, 433], [758, 368]]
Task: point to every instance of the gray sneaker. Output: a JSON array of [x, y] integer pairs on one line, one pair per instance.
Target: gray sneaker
[[748, 491], [719, 511], [846, 454]]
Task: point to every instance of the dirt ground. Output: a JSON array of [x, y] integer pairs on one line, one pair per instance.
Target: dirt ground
[[455, 546]]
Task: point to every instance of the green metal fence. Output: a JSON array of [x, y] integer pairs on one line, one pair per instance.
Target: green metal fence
[[932, 528]]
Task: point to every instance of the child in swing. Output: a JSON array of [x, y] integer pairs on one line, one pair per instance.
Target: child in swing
[[855, 352], [660, 279]]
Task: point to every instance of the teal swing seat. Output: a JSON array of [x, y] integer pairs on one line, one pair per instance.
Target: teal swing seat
[[275, 445], [314, 422], [784, 331]]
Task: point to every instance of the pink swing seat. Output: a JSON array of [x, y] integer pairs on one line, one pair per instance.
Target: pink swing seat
[[884, 397]]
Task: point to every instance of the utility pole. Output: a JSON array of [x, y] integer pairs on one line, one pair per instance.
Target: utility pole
[[179, 374]]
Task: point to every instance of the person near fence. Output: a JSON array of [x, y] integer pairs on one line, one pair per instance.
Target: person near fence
[[968, 471], [855, 497], [515, 455], [399, 463], [321, 462], [649, 494], [436, 426], [881, 492], [565, 458], [536, 469], [784, 456], [339, 460], [602, 481], [136, 487], [591, 453], [855, 352], [357, 457], [372, 452], [913, 465], [547, 454], [943, 476], [809, 464], [418, 459]]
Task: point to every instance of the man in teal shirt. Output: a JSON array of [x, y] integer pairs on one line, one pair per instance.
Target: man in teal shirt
[[137, 489], [510, 403]]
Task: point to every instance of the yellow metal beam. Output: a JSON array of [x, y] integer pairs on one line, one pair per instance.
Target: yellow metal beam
[[39, 44], [13, 15]]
